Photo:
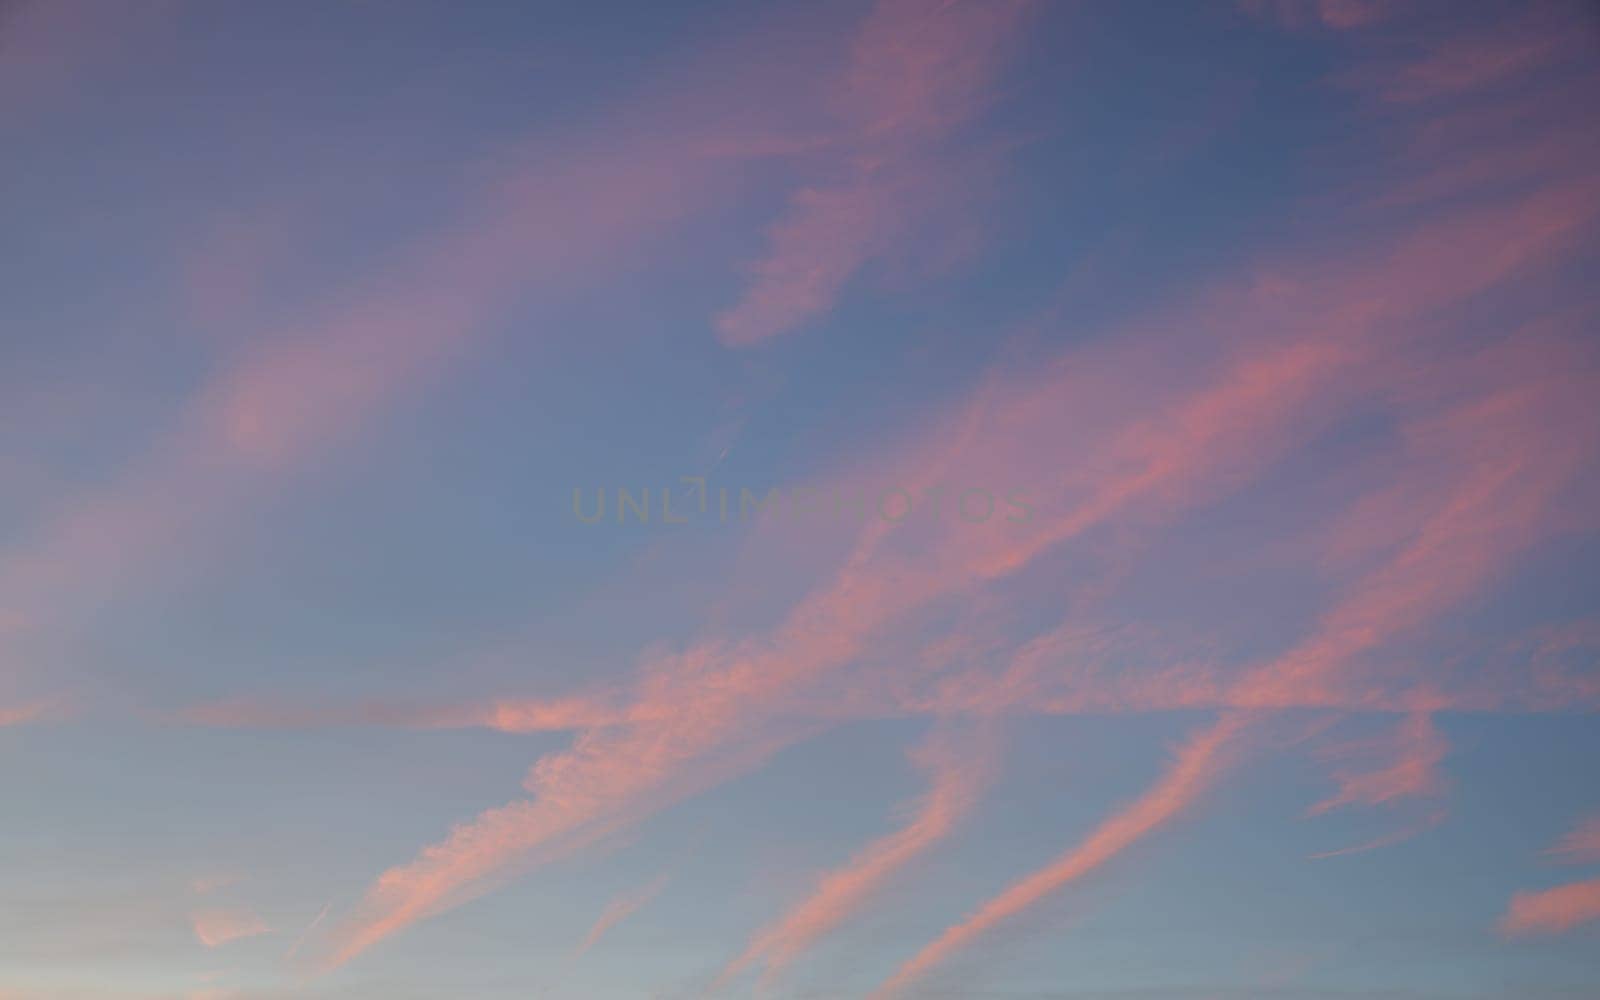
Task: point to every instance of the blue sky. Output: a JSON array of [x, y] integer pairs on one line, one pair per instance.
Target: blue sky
[[1181, 582]]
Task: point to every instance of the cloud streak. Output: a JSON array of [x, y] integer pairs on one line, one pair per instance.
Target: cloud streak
[[1190, 406], [506, 715], [1474, 530], [919, 70], [957, 769], [1418, 748], [621, 909], [705, 707], [1195, 766], [215, 928], [1581, 845]]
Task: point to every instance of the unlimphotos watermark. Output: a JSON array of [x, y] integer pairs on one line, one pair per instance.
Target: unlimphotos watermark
[[694, 499]]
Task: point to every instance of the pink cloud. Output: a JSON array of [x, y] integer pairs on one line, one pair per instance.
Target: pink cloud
[[202, 885], [1492, 447], [1582, 844], [1553, 911], [1417, 750], [1072, 672], [1399, 836], [1195, 766], [551, 219], [508, 715], [1351, 13], [621, 909], [957, 772], [1412, 755], [316, 922], [707, 705], [919, 70], [1507, 473], [1337, 14], [1475, 59], [826, 238], [1226, 384], [1467, 64], [1472, 530], [16, 715], [49, 51], [215, 928]]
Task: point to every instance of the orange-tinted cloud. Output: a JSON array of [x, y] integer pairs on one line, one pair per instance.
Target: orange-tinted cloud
[[201, 885], [215, 928], [316, 922], [621, 909], [15, 715]]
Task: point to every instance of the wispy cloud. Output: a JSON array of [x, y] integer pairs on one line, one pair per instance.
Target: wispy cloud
[[300, 939], [1581, 845], [1558, 910], [1187, 406], [1417, 749], [1477, 58], [1489, 515], [16, 715], [1399, 836], [1281, 470], [1335, 14], [508, 715], [621, 909], [957, 769], [1195, 766], [1413, 753], [919, 70], [52, 51], [547, 218], [214, 928], [704, 707], [202, 885]]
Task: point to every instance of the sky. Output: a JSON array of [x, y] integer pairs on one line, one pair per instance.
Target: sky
[[894, 499]]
